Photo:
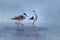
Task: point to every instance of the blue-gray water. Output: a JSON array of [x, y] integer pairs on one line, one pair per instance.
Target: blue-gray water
[[9, 32]]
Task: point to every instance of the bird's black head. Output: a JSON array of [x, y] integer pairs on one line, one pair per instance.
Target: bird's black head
[[33, 11], [25, 14]]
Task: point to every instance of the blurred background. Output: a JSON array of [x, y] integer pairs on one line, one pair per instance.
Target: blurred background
[[47, 25]]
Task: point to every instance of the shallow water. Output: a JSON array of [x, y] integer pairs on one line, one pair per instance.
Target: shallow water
[[9, 32]]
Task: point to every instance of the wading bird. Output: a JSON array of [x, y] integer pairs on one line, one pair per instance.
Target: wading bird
[[34, 18], [19, 19]]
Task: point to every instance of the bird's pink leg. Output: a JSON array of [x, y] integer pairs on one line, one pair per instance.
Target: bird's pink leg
[[33, 23], [17, 23]]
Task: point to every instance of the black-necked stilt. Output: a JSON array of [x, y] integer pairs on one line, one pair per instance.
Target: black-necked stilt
[[19, 18], [34, 18]]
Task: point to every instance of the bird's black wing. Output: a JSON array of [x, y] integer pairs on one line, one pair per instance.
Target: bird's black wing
[[31, 18]]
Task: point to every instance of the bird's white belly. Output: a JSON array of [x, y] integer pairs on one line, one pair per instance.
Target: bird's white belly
[[35, 18]]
